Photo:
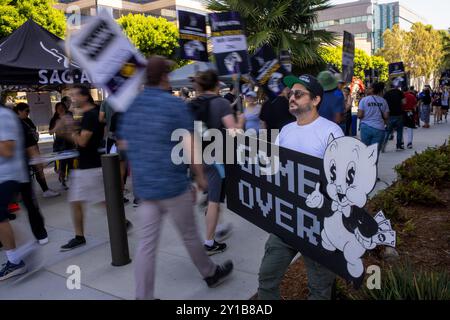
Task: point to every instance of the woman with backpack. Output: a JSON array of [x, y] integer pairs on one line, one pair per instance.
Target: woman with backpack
[[216, 113]]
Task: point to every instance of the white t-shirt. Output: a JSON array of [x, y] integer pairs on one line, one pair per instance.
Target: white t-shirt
[[311, 139], [14, 168]]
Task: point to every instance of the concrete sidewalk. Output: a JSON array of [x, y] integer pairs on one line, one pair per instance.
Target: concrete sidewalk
[[176, 276]]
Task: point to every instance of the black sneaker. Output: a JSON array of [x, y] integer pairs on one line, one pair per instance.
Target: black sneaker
[[11, 270], [125, 200], [222, 272], [215, 248], [400, 148], [136, 203], [409, 146], [76, 242]]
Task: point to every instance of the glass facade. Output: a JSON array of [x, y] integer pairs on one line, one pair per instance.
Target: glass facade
[[349, 20], [385, 18]]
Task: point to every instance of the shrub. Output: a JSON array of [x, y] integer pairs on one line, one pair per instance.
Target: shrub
[[402, 282], [416, 192], [385, 201], [431, 167]]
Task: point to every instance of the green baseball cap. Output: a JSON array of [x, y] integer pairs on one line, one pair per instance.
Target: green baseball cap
[[306, 80], [327, 80]]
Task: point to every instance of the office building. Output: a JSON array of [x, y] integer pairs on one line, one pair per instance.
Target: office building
[[367, 20], [158, 8]]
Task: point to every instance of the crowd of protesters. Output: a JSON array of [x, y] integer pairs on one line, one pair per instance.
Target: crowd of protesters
[[304, 114]]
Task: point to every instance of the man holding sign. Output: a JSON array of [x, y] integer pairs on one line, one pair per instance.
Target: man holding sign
[[309, 135]]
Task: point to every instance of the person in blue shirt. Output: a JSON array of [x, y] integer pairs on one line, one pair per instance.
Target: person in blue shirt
[[332, 107], [161, 184]]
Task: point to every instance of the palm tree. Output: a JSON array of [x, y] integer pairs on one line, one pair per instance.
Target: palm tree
[[282, 24]]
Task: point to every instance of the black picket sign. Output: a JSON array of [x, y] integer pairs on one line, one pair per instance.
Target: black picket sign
[[193, 41], [277, 202]]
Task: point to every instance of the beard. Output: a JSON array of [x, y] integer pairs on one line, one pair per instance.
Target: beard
[[297, 110]]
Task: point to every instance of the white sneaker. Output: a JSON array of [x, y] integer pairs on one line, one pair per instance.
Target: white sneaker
[[43, 241], [223, 232], [50, 193]]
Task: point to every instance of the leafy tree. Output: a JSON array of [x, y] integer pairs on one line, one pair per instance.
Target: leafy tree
[[445, 37], [382, 66], [333, 56], [362, 62], [395, 48], [420, 49], [424, 53], [283, 24], [149, 34], [44, 14], [13, 13], [9, 18]]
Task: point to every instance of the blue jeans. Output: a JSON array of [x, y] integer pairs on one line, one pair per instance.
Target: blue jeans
[[425, 113], [371, 135], [395, 122]]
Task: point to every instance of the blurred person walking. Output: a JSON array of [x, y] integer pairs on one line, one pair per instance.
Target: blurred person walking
[[162, 186], [13, 172], [86, 181], [216, 113], [23, 110]]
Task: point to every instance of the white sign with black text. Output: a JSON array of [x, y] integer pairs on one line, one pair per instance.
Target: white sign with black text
[[112, 62]]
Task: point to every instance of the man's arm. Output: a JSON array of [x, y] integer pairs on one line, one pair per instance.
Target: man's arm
[[340, 107], [229, 122], [82, 138], [102, 117], [191, 145], [7, 148], [360, 114]]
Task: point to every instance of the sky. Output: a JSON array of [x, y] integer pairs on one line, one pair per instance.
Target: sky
[[436, 12]]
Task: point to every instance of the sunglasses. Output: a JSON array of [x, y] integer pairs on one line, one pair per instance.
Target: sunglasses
[[298, 93]]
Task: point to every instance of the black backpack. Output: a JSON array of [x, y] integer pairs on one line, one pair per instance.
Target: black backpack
[[200, 108]]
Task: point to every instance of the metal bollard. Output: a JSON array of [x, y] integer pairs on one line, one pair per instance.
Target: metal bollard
[[115, 211]]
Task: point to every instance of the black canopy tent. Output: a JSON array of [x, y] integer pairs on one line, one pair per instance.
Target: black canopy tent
[[32, 56]]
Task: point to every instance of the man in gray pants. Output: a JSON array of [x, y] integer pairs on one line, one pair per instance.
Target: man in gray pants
[[309, 135], [162, 185]]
